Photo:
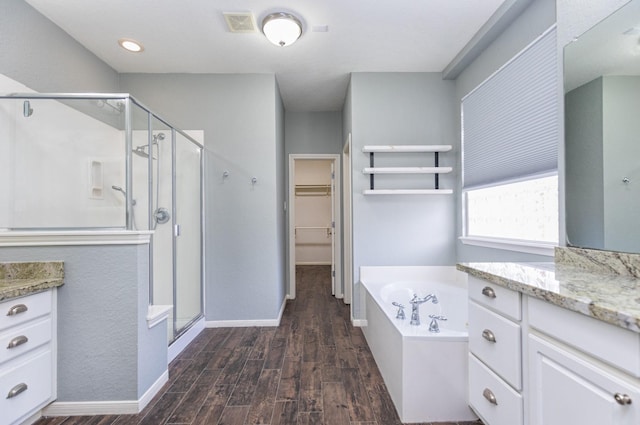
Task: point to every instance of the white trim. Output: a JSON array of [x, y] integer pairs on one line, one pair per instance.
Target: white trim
[[530, 247], [241, 323], [75, 238], [359, 322], [249, 323], [157, 313], [185, 339], [347, 217], [118, 407], [153, 390]]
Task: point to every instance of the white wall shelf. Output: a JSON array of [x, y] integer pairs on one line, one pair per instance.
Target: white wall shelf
[[406, 148], [436, 170], [408, 191], [407, 170]]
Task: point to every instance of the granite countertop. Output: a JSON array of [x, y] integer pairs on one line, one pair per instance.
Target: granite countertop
[[612, 298], [25, 278]]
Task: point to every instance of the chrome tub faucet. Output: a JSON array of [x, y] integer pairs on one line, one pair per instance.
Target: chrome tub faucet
[[415, 304]]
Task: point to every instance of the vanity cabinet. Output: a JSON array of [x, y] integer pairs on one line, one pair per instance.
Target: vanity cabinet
[[495, 356], [532, 362], [581, 370], [27, 356]]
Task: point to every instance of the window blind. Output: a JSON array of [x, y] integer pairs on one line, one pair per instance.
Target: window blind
[[510, 121]]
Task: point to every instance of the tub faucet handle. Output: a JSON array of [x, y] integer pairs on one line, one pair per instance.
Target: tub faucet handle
[[400, 313], [433, 326]]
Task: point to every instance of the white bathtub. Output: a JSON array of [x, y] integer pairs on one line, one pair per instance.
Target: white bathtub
[[425, 372]]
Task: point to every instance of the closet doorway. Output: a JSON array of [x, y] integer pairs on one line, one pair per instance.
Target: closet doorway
[[314, 216]]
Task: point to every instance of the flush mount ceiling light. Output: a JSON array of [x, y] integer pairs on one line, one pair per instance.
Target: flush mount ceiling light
[[131, 45], [282, 29]]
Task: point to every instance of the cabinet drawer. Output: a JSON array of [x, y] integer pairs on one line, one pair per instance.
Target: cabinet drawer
[[507, 406], [21, 339], [568, 388], [496, 341], [614, 345], [503, 300], [20, 310], [36, 373]]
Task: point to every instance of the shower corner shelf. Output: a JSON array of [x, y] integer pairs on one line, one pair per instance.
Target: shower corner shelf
[[436, 170]]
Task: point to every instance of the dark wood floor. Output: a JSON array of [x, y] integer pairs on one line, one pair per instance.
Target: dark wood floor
[[315, 368]]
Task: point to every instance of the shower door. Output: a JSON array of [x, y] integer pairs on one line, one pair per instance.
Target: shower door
[[187, 233]]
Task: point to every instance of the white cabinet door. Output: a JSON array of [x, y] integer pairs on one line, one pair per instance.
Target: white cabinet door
[[566, 388]]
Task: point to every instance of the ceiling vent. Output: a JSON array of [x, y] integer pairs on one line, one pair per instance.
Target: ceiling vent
[[240, 21]]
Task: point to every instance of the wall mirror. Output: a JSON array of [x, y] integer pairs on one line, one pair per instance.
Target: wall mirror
[[602, 134]]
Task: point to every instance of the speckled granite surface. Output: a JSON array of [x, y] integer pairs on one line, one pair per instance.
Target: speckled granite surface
[[19, 279], [619, 263], [612, 298]]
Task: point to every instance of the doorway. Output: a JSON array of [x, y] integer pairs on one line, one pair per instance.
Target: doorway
[[314, 216]]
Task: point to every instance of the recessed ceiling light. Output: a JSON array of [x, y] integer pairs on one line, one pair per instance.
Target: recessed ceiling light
[[131, 45]]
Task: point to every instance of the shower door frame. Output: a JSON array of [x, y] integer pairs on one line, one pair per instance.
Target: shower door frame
[[129, 143]]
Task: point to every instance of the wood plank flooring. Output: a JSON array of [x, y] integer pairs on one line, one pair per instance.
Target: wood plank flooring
[[313, 369]]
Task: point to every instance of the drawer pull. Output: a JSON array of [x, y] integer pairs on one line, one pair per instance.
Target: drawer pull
[[17, 341], [491, 398], [622, 399], [20, 388], [17, 309], [488, 291], [488, 335]]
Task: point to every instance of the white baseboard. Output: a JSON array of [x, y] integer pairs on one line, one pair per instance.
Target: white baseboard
[[248, 323], [359, 322], [185, 339], [116, 407]]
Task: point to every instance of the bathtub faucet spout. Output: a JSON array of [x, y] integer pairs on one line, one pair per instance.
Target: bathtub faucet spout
[[415, 304]]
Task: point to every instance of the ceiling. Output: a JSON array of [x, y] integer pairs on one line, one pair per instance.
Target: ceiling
[[610, 48], [191, 36]]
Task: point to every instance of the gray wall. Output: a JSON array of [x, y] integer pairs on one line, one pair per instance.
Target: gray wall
[[103, 339], [390, 230], [241, 116], [538, 17], [584, 165], [313, 133], [621, 150], [281, 196], [310, 133], [43, 57]]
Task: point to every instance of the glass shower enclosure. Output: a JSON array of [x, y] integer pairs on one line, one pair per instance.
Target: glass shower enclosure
[[105, 162]]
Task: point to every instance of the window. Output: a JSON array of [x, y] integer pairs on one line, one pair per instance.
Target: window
[[510, 138], [522, 213]]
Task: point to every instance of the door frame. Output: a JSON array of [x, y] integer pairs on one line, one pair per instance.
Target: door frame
[[291, 290], [347, 218]]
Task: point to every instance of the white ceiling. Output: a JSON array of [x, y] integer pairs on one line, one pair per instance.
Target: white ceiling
[[191, 36]]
